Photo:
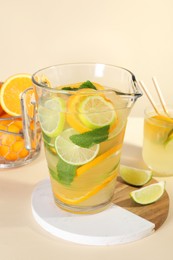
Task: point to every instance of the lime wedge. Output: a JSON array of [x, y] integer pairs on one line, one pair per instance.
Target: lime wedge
[[134, 176], [72, 153], [96, 112], [148, 194], [52, 117]]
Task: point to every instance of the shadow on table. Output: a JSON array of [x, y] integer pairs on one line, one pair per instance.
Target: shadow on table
[[16, 188]]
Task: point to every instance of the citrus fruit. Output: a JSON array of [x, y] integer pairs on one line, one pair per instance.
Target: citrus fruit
[[50, 141], [148, 194], [96, 111], [11, 91], [1, 110], [134, 176], [72, 153], [164, 118], [12, 147], [51, 116], [97, 160], [79, 195], [169, 145], [169, 140], [88, 110], [72, 114], [4, 119], [3, 128], [19, 148]]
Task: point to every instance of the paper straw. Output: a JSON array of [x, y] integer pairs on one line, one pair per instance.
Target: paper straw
[[160, 95], [149, 96]]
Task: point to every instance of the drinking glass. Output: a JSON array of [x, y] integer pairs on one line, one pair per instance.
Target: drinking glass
[[158, 142]]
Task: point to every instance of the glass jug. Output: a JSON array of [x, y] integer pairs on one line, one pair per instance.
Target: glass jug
[[83, 110]]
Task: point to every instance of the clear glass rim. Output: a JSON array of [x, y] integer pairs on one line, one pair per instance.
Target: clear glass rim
[[137, 91], [149, 114]]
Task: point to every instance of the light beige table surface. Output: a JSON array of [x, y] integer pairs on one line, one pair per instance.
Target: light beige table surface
[[21, 238]]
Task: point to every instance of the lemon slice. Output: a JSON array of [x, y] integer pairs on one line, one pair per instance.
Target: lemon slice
[[148, 194], [96, 111], [72, 153], [52, 117], [134, 176], [80, 195]]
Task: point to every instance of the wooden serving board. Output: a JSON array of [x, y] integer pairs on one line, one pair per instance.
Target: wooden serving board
[[156, 212]]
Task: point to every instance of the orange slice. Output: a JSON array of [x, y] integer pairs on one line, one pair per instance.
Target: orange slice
[[74, 100], [97, 160], [88, 180], [11, 91], [77, 118], [164, 118], [75, 199], [1, 110], [72, 114]]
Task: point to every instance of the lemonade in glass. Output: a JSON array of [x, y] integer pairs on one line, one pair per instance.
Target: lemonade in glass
[[83, 110], [158, 142]]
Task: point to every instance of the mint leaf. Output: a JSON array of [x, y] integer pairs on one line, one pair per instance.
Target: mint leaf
[[53, 174], [87, 84], [69, 88], [65, 172], [91, 138]]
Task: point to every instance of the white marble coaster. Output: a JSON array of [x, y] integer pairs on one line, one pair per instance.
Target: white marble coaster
[[115, 225]]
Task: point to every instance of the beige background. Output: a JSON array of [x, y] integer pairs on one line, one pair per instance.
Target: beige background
[[135, 34]]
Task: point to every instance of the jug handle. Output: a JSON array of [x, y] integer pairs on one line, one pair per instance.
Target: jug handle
[[26, 120]]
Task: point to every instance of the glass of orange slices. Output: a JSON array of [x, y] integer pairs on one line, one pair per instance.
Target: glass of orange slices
[[83, 110], [20, 136]]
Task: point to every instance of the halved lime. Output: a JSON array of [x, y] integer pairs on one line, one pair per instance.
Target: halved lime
[[72, 153], [134, 176], [51, 116], [96, 111], [148, 194]]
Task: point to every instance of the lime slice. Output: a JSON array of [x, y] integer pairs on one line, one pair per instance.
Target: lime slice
[[134, 176], [52, 117], [169, 144], [96, 111], [72, 153], [169, 141], [148, 194], [50, 141]]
